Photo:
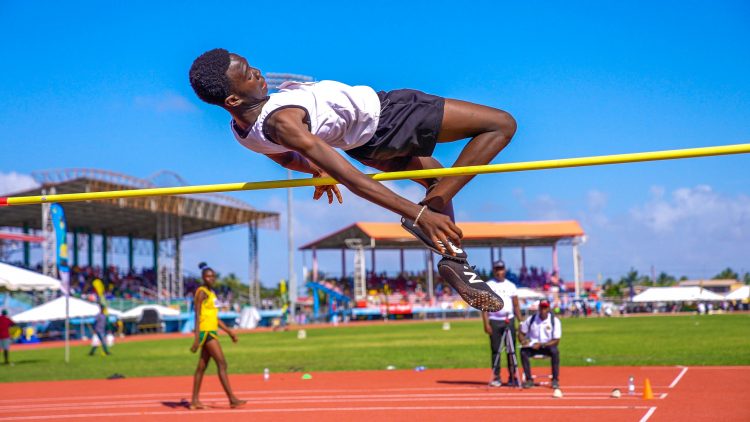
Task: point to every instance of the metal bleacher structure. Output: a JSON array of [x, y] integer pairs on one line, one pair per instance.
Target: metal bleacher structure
[[152, 226], [332, 296]]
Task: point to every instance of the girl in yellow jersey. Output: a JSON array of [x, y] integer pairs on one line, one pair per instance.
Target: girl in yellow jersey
[[207, 324]]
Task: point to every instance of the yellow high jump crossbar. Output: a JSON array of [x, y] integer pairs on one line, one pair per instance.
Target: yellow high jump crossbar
[[396, 175]]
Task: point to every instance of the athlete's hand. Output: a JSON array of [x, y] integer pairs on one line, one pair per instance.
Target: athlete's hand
[[194, 347], [328, 189], [488, 329], [439, 227], [233, 336]]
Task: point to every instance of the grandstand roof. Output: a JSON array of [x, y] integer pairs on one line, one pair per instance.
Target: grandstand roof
[[476, 234], [132, 216]]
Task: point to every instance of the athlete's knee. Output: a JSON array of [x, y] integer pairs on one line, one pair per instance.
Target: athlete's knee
[[222, 364], [506, 124], [201, 366]]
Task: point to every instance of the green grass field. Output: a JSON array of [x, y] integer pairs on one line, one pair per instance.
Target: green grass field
[[679, 340]]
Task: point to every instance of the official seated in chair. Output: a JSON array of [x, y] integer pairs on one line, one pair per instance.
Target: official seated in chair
[[539, 335]]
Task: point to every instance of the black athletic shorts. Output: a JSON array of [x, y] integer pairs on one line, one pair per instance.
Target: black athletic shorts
[[409, 126]]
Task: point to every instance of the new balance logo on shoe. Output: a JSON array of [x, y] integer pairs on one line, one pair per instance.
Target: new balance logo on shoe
[[473, 278], [464, 279]]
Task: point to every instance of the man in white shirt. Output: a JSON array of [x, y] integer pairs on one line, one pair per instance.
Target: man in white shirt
[[539, 335], [300, 126], [496, 323]]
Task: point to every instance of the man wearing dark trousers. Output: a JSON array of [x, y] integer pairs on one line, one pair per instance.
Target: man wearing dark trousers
[[540, 334], [496, 323]]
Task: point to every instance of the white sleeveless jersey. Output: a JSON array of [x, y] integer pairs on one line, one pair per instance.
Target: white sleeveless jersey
[[342, 116]]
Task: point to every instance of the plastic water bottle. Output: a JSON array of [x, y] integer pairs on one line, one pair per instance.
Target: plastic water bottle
[[266, 374], [631, 386], [420, 368]]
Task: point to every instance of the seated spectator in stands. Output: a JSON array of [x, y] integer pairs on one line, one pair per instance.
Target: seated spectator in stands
[[540, 334]]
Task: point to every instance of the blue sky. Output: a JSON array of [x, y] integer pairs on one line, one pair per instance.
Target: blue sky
[[84, 86]]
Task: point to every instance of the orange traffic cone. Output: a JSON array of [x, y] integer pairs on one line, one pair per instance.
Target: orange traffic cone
[[647, 393]]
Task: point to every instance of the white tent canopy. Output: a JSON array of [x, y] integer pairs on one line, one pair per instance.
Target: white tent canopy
[[526, 293], [676, 294], [136, 312], [739, 294], [55, 310], [14, 278]]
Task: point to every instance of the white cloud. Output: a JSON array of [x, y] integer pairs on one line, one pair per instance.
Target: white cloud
[[692, 231], [164, 103], [13, 182], [700, 209], [543, 207]]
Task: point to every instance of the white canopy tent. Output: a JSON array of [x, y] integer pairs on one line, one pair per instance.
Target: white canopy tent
[[676, 294], [55, 310], [137, 312], [739, 294], [15, 278], [526, 293]]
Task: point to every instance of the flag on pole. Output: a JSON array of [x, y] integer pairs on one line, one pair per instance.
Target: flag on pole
[[61, 236]]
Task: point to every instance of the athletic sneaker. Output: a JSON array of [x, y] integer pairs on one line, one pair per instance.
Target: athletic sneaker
[[528, 384], [469, 286], [409, 226], [496, 383]]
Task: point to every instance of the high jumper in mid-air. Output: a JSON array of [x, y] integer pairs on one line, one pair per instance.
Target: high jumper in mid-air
[[300, 126]]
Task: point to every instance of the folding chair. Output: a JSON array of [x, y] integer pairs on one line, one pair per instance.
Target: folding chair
[[548, 377]]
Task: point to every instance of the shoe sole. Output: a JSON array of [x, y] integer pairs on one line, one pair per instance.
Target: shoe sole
[[477, 299]]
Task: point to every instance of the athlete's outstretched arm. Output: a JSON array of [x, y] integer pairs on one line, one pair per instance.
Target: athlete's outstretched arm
[[288, 129], [293, 160], [197, 302]]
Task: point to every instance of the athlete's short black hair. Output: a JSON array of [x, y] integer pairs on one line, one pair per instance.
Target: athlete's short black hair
[[208, 76]]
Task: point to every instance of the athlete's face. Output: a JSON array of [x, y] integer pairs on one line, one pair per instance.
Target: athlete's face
[[543, 312], [248, 85], [209, 277]]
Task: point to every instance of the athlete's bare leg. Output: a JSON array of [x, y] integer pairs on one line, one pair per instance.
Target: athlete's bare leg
[[424, 163], [195, 403], [490, 129], [214, 349]]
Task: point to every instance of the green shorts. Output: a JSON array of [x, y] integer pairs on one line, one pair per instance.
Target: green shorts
[[204, 335]]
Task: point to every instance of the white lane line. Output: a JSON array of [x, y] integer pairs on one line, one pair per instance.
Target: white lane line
[[320, 409], [679, 377], [186, 393], [663, 396], [253, 392], [260, 401], [648, 414]]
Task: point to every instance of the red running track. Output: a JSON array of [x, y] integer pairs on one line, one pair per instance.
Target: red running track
[[694, 393]]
